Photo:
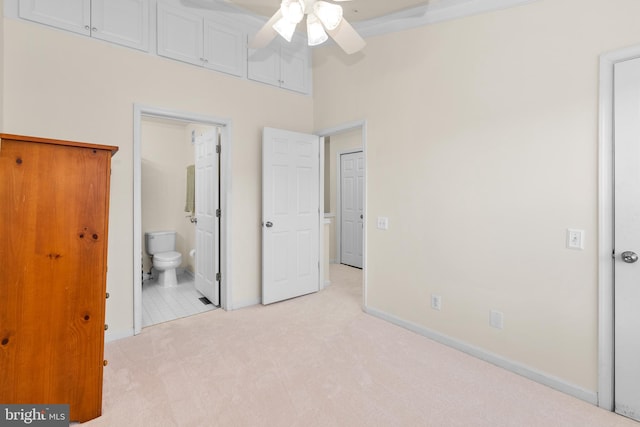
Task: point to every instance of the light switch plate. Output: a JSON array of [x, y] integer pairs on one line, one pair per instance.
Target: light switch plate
[[575, 239], [383, 223]]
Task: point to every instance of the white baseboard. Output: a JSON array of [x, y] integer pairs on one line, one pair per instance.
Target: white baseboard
[[116, 335], [509, 365], [246, 303]]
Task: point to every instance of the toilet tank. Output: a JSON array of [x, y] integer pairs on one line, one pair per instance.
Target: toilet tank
[[159, 241]]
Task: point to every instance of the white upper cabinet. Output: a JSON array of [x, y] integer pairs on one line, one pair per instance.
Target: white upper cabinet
[[209, 42], [283, 64], [71, 15], [125, 22], [225, 47], [180, 34]]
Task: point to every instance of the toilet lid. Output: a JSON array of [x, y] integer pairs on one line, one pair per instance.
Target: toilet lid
[[167, 256]]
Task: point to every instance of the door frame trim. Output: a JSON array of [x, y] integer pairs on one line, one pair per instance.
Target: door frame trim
[[345, 127], [226, 130], [606, 224]]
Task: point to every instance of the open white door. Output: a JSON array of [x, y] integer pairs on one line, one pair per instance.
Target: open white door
[[207, 225], [351, 208], [290, 214], [627, 238]]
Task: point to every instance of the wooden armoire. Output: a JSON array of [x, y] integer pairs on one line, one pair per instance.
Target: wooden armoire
[[54, 212]]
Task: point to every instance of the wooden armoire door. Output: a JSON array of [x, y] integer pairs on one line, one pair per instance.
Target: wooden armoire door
[[54, 204]]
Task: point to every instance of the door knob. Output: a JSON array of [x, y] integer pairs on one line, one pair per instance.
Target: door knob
[[629, 257], [268, 224]]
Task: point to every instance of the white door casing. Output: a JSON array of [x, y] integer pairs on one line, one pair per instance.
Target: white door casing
[[290, 214], [207, 225], [352, 208], [627, 238]]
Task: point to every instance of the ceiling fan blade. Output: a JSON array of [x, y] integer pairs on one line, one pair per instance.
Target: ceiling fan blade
[[347, 38], [266, 33]]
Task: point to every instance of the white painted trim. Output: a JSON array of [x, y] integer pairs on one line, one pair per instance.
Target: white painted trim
[[321, 220], [606, 226], [509, 365], [345, 127], [226, 130], [431, 13]]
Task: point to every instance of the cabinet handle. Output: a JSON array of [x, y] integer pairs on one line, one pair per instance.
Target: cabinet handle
[[107, 296], [106, 327], [86, 27], [105, 362], [94, 29]]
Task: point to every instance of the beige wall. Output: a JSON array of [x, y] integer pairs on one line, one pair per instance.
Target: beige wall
[[482, 151], [2, 82], [65, 86]]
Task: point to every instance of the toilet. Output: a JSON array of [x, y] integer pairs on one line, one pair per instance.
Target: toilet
[[160, 246]]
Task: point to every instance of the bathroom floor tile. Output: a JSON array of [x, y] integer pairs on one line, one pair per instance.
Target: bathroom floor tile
[[164, 304]]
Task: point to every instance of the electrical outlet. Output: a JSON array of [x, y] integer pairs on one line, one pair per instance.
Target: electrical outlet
[[436, 302], [496, 319], [575, 239]]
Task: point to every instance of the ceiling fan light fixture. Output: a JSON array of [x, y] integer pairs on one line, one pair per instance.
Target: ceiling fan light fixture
[[292, 10], [329, 14], [285, 28], [315, 32]]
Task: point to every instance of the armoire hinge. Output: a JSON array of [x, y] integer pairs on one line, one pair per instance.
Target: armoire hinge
[[218, 277], [218, 149], [218, 213]]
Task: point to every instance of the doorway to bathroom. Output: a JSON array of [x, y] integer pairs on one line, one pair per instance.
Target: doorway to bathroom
[[179, 186], [178, 160]]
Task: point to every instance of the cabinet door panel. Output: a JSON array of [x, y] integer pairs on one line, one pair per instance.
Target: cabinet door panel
[[179, 35], [224, 48], [296, 70], [124, 22], [264, 64], [71, 15]]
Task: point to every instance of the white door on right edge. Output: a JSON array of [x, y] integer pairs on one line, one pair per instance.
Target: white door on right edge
[[291, 214], [351, 208], [627, 238]]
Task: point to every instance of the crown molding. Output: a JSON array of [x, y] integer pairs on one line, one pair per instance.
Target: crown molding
[[431, 13]]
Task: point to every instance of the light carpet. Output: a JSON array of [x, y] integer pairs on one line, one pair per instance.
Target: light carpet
[[318, 360]]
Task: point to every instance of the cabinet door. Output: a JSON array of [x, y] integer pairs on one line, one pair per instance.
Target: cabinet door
[[71, 15], [264, 64], [295, 68], [124, 22], [224, 47], [179, 34]]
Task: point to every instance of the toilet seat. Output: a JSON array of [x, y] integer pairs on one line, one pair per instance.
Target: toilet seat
[[167, 256], [167, 260]]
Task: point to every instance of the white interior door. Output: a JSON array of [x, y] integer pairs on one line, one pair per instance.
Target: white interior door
[[627, 238], [207, 225], [351, 208], [290, 214]]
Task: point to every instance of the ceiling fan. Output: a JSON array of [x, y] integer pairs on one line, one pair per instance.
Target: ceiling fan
[[323, 17]]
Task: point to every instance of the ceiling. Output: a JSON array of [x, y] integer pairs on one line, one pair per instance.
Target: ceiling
[[354, 10]]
